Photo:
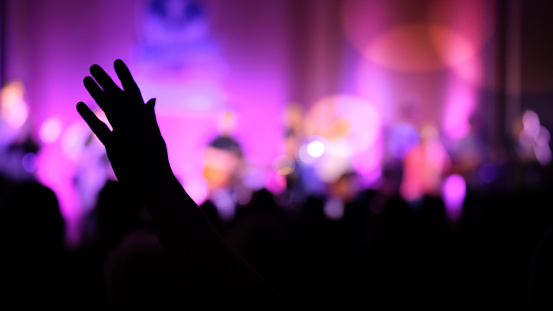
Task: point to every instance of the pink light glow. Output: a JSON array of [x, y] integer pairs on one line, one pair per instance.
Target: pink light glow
[[254, 81], [374, 84], [50, 130], [454, 191], [351, 129], [531, 123], [419, 47], [471, 71], [424, 166], [73, 140], [460, 104], [408, 36]]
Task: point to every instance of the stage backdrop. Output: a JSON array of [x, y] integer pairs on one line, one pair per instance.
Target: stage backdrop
[[397, 63]]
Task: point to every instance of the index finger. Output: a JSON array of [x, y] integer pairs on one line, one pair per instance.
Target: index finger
[[98, 127], [127, 81]]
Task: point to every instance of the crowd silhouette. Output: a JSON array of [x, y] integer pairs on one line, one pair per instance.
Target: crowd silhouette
[[147, 245]]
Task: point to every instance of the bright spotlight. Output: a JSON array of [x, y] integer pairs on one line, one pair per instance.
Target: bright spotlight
[[315, 149]]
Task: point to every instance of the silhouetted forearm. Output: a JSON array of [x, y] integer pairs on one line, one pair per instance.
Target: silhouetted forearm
[[216, 277]]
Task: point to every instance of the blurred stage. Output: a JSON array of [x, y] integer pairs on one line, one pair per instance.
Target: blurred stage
[[338, 86]]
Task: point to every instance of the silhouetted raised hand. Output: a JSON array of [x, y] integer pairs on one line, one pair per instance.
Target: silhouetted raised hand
[[135, 147], [214, 277]]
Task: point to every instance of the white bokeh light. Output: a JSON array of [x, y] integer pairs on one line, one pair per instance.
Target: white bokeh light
[[315, 149]]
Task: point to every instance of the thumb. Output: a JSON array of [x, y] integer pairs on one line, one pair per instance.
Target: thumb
[[151, 103]]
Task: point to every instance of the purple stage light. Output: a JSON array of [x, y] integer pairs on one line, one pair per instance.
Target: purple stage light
[[29, 162]]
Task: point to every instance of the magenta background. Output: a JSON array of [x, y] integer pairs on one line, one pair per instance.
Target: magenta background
[[276, 52]]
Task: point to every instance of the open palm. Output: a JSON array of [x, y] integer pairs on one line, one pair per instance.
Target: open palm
[[135, 147]]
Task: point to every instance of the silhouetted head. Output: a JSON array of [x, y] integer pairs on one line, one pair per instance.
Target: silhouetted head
[[222, 162], [32, 219]]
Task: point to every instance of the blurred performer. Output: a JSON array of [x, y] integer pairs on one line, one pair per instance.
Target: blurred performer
[[341, 192], [532, 147], [18, 149], [424, 166], [14, 113], [532, 139], [403, 135], [469, 155], [223, 168], [300, 179]]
